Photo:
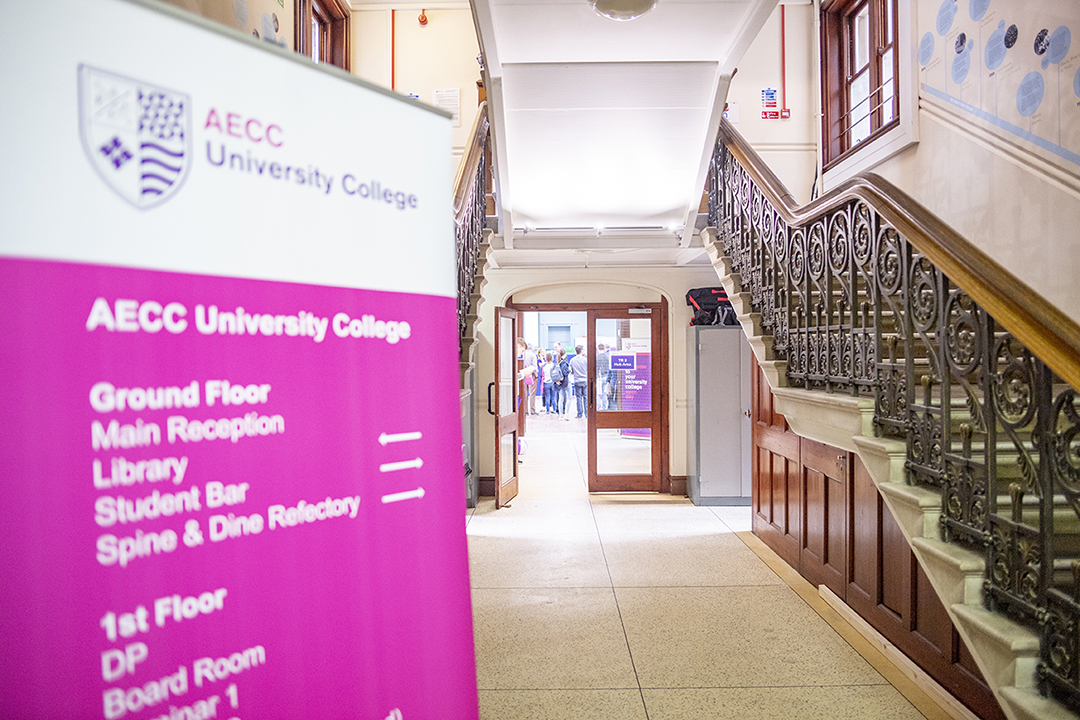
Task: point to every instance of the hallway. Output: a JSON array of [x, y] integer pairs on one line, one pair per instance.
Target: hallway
[[627, 607]]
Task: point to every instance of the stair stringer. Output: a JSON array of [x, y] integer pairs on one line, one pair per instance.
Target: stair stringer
[[1006, 652], [469, 339]]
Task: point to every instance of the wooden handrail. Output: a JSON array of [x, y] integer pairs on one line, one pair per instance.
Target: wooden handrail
[[470, 161], [1046, 330]]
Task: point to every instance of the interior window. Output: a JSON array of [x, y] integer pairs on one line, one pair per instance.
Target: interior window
[[859, 58]]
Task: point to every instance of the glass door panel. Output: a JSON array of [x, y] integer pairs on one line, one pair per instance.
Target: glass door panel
[[624, 451], [624, 365], [507, 399], [624, 400], [506, 403]]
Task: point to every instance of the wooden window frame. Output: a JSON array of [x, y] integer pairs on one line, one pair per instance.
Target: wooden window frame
[[837, 61], [335, 39]]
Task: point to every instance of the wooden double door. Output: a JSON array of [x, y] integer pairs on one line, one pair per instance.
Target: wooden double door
[[624, 394]]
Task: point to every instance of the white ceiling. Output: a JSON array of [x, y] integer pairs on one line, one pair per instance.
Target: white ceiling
[[605, 124]]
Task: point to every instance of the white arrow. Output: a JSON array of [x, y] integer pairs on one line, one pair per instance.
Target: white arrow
[[403, 465], [398, 437], [407, 495]]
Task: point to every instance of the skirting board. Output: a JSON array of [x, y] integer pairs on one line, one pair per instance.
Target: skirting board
[[917, 675], [678, 488], [723, 501], [678, 485]]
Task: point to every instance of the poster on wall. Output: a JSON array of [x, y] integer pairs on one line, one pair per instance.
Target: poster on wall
[[1012, 66], [230, 491]]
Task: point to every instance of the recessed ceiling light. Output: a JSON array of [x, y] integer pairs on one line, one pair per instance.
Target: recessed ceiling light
[[622, 9]]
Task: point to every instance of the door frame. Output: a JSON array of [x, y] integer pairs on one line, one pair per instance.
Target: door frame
[[662, 371], [506, 488]]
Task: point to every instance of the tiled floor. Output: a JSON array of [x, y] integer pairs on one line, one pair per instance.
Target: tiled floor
[[628, 607]]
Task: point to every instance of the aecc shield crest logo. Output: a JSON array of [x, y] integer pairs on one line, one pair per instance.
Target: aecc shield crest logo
[[137, 135]]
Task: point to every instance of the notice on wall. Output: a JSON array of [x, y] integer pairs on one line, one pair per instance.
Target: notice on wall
[[1011, 66], [449, 99], [228, 406]]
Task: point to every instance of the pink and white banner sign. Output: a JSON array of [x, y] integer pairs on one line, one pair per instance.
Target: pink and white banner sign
[[228, 493], [230, 434]]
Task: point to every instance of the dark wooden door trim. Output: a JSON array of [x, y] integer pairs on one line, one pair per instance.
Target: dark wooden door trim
[[661, 389], [505, 488]]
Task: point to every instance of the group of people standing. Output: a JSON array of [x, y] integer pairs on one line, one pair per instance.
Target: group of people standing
[[554, 376]]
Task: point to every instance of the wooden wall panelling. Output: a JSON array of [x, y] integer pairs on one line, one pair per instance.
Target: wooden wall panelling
[[883, 599], [890, 591], [823, 557], [819, 510], [777, 500]]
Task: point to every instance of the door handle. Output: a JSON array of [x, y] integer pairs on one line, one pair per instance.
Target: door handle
[[592, 394], [490, 411]]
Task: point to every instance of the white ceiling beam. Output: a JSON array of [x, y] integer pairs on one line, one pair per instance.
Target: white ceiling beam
[[358, 5], [752, 22], [485, 31], [606, 241], [687, 255]]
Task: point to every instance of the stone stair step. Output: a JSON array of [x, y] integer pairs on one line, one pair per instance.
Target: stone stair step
[[1066, 521], [1027, 704], [957, 570], [1009, 651], [884, 458], [830, 418], [751, 323], [775, 372], [916, 509]]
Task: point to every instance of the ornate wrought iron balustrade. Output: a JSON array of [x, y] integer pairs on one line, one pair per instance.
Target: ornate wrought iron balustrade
[[470, 211], [854, 302]]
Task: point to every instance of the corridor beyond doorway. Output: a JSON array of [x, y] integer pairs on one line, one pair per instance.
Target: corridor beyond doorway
[[645, 607], [547, 332]]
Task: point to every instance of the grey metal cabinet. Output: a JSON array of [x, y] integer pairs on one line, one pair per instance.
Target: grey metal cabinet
[[718, 415]]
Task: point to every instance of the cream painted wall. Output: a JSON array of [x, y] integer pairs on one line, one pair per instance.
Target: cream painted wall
[[436, 56], [592, 285], [788, 146], [1019, 210], [248, 15], [370, 45]]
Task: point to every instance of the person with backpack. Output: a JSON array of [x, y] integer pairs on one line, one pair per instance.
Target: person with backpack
[[560, 375], [579, 367], [549, 384]]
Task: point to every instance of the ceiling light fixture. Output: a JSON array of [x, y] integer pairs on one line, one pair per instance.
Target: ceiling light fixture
[[622, 10]]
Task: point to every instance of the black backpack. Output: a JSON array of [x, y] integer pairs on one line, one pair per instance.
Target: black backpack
[[557, 372], [711, 307]]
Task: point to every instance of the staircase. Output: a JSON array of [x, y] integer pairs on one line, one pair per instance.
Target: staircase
[[883, 333], [474, 204]]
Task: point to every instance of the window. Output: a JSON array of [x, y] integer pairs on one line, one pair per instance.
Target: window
[[860, 97], [322, 31]]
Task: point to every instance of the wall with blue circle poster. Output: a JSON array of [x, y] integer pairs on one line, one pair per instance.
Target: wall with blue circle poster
[[1012, 64]]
